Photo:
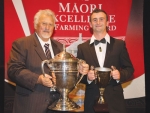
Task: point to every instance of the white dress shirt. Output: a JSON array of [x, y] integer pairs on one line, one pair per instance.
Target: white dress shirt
[[43, 43], [101, 54]]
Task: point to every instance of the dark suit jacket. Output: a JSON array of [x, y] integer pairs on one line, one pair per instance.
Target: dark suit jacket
[[116, 55], [24, 68]]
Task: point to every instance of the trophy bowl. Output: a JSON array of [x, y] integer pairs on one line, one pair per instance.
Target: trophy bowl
[[102, 80], [65, 67]]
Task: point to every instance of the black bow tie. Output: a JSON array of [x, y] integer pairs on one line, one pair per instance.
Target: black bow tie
[[98, 41]]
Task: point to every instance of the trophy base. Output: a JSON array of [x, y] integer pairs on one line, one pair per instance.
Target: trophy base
[[62, 105], [101, 107], [101, 98]]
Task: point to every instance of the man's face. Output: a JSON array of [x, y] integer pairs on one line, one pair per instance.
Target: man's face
[[99, 22], [45, 27]]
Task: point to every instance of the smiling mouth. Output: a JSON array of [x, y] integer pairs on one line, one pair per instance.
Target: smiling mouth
[[46, 31], [98, 25]]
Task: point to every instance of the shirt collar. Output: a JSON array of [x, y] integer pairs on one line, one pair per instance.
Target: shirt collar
[[107, 37], [42, 42]]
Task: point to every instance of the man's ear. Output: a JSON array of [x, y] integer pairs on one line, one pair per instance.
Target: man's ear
[[107, 23]]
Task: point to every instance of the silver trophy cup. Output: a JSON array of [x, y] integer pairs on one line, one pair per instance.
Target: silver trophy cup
[[102, 80], [65, 67]]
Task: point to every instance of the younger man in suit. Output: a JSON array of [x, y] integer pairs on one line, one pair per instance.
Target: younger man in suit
[[106, 53]]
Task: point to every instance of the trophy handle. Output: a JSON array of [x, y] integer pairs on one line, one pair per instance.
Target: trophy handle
[[80, 61], [48, 62], [42, 65], [79, 80], [113, 68]]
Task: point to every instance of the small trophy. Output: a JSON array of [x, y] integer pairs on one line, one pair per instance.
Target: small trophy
[[102, 79]]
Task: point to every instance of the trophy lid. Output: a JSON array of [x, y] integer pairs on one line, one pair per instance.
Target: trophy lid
[[64, 56]]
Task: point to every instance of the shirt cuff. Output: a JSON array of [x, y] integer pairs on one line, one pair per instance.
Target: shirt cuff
[[117, 81], [89, 81]]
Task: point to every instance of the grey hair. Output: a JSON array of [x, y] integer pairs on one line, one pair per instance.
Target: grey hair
[[46, 12]]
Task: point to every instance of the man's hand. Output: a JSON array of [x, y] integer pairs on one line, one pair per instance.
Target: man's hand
[[54, 79], [91, 75], [115, 73], [83, 68], [45, 80]]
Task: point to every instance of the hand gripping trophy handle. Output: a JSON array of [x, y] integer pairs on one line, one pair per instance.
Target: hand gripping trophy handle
[[42, 67], [112, 68], [79, 63]]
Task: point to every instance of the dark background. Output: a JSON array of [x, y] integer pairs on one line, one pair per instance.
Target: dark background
[[140, 105]]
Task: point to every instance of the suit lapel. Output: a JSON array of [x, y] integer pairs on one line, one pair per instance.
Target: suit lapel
[[93, 53], [108, 51], [38, 48], [56, 50]]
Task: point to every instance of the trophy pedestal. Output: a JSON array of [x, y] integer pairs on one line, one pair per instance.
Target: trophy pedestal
[[64, 105], [101, 98]]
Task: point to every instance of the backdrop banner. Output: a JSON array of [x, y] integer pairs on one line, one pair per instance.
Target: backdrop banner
[[72, 28]]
